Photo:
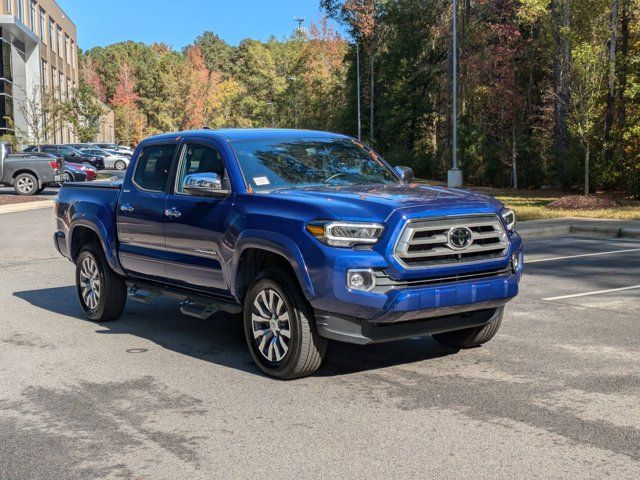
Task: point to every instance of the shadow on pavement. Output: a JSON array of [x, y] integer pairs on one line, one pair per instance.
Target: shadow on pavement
[[220, 339]]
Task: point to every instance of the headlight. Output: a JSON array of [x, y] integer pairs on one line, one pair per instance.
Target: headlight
[[510, 219], [345, 234]]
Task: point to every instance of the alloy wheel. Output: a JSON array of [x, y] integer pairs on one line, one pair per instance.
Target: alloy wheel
[[90, 283], [25, 184], [270, 325]]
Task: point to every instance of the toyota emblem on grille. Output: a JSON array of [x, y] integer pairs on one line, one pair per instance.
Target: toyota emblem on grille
[[459, 238]]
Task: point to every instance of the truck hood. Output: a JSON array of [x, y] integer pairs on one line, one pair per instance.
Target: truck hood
[[377, 203]]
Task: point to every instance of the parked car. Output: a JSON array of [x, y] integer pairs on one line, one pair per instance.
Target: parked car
[[74, 172], [111, 161], [70, 154], [116, 149], [29, 173], [80, 172], [312, 235]]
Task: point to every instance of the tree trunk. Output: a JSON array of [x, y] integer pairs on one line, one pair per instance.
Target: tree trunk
[[587, 153], [621, 117], [514, 158], [373, 92], [611, 92], [561, 22]]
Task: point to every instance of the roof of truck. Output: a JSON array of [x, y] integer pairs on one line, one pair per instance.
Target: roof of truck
[[234, 134]]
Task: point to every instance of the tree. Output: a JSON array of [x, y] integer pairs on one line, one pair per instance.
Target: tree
[[36, 106], [360, 17], [129, 122], [585, 108], [561, 24], [218, 55], [83, 111]]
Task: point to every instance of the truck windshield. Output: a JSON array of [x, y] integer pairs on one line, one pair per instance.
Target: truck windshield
[[301, 163]]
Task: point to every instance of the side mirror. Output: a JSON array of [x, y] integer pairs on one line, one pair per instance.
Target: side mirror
[[405, 173], [207, 184]]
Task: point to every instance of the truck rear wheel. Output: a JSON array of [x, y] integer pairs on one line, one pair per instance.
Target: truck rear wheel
[[280, 328], [25, 184], [102, 293], [472, 337]]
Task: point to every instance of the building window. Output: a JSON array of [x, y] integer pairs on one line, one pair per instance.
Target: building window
[[73, 54], [61, 86], [8, 6], [43, 75], [21, 10], [43, 31], [52, 35], [67, 47], [32, 16], [60, 46]]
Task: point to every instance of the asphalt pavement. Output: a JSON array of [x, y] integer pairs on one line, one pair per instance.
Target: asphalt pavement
[[161, 396]]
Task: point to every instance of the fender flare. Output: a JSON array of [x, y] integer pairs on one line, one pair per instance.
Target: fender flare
[[275, 243], [107, 242]]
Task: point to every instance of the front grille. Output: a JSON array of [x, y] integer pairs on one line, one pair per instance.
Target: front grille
[[426, 243]]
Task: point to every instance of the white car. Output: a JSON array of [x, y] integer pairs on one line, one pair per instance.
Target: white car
[[111, 161]]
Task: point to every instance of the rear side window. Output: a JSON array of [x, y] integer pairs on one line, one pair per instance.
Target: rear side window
[[153, 166]]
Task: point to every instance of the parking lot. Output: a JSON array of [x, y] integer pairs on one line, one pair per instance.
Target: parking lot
[[160, 395]]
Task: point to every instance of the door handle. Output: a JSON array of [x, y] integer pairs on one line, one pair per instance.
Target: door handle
[[126, 208], [172, 212]]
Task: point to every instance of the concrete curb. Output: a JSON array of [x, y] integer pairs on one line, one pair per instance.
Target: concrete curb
[[23, 207], [580, 227]]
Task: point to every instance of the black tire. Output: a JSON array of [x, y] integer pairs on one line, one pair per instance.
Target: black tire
[[112, 296], [306, 348], [120, 165], [472, 337], [25, 184], [41, 189]]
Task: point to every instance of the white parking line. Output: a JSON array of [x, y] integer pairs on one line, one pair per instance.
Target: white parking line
[[582, 255], [597, 292]]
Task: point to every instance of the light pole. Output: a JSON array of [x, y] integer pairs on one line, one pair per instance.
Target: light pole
[[454, 176], [358, 88]]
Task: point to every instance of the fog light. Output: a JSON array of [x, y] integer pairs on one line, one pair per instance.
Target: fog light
[[515, 262], [362, 280]]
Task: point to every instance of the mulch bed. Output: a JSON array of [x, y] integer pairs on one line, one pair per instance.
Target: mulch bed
[[7, 199], [581, 202]]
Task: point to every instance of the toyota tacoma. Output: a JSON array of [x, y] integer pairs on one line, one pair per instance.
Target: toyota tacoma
[[312, 236]]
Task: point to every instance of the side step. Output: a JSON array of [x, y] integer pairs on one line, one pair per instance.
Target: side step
[[191, 304]]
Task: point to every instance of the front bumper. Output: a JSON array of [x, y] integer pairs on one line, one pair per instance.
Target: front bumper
[[401, 308], [362, 332]]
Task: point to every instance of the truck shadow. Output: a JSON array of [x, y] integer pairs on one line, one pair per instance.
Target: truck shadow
[[220, 339]]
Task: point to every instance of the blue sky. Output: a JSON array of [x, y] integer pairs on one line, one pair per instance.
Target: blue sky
[[179, 22]]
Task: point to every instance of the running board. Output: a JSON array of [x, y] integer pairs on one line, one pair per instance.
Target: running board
[[197, 310], [194, 305]]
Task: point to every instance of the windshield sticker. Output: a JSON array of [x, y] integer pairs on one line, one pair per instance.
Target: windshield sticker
[[259, 181]]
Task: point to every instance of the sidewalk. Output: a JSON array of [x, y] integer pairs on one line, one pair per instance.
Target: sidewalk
[[555, 227], [22, 207]]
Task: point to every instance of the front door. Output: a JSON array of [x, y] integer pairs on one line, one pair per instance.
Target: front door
[[140, 213], [195, 226]]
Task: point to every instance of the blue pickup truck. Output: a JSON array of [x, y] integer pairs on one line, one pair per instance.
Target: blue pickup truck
[[310, 235]]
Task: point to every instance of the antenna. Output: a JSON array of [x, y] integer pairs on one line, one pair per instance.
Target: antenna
[[300, 22]]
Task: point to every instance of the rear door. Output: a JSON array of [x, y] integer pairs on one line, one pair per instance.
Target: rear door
[[195, 226], [141, 213]]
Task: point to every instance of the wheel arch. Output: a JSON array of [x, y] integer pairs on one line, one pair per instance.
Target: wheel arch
[[85, 230], [256, 254]]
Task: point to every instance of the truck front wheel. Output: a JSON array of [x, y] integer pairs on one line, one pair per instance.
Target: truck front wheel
[[102, 293], [280, 327], [472, 337]]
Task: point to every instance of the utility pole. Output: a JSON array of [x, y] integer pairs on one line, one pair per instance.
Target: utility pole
[[454, 177], [358, 88], [300, 21]]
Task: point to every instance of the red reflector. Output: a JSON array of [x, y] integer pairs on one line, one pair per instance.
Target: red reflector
[[54, 164]]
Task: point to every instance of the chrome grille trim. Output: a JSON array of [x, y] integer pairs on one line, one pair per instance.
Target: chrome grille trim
[[425, 243]]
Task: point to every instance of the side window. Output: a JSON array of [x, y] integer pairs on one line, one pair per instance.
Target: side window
[[153, 166], [50, 149], [199, 159]]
